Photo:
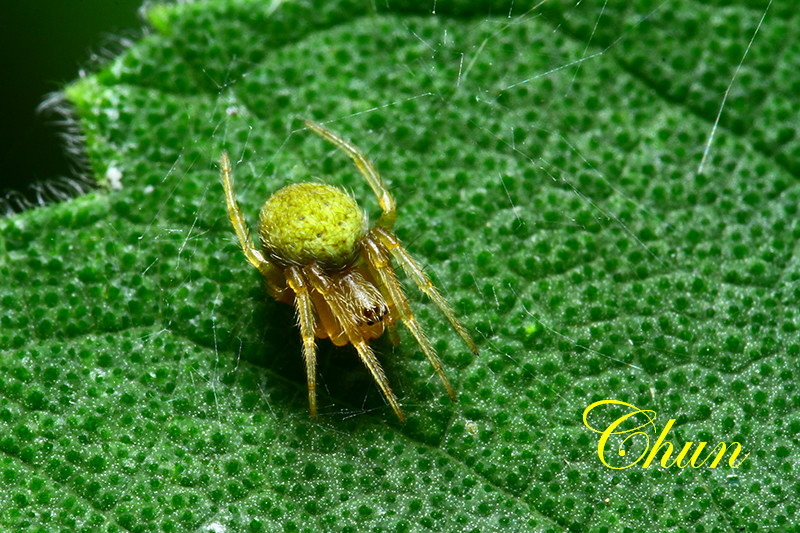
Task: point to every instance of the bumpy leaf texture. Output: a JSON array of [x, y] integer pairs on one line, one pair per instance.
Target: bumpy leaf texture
[[546, 167]]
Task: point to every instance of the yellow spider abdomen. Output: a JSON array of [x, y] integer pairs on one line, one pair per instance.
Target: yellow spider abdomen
[[311, 222]]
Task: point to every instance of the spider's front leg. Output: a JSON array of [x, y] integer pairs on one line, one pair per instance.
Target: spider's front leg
[[306, 319], [389, 242], [378, 263], [320, 282]]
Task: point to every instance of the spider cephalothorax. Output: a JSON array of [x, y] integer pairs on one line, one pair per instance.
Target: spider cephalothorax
[[318, 254]]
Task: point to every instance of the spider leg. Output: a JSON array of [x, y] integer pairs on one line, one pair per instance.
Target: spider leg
[[379, 264], [305, 317], [385, 199], [322, 284], [252, 253], [415, 272]]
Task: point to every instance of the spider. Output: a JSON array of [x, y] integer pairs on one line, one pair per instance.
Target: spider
[[318, 254]]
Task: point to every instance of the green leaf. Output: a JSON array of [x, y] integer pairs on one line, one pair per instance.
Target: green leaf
[[545, 165]]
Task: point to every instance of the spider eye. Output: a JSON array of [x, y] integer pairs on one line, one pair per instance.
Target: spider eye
[[373, 314]]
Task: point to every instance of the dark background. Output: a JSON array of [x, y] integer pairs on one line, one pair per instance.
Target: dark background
[[43, 44]]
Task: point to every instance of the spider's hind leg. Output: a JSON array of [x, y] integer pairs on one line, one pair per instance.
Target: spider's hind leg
[[236, 217], [385, 199]]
